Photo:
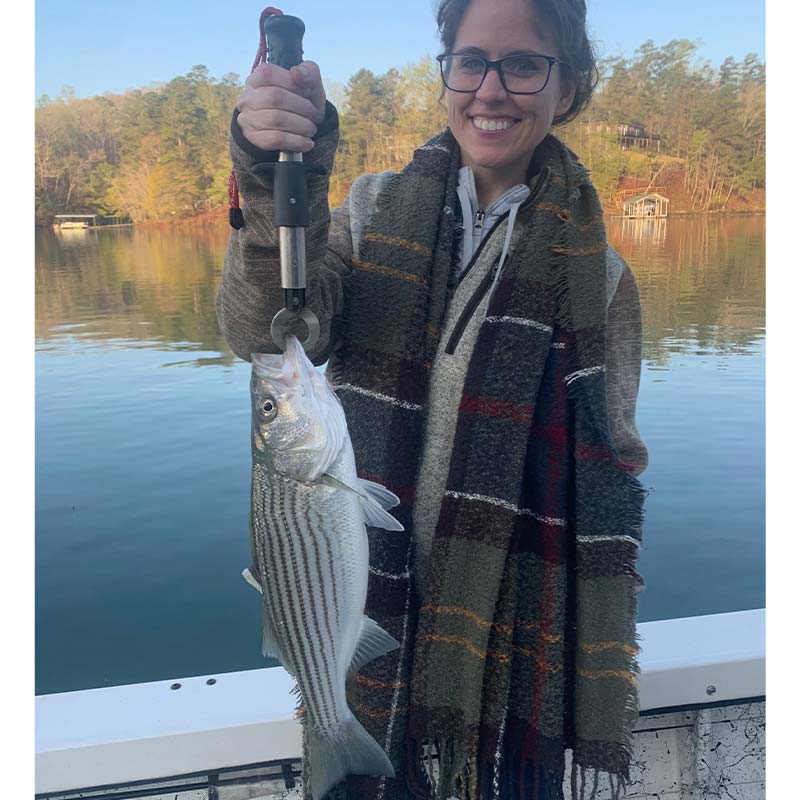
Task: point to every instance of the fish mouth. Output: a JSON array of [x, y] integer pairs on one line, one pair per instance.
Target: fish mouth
[[296, 355], [273, 367], [288, 367]]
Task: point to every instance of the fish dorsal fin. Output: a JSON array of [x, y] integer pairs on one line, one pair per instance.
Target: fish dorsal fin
[[374, 513], [373, 641]]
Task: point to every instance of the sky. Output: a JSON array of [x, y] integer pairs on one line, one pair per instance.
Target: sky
[[95, 46]]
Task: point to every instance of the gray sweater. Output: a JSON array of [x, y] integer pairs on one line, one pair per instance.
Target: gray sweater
[[250, 295]]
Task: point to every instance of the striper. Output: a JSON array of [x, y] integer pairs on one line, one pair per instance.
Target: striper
[[308, 533]]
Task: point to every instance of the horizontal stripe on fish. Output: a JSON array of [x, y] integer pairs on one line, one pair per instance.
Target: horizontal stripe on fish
[[270, 610], [260, 514], [323, 662], [327, 557], [279, 586], [265, 502], [264, 570], [308, 669], [303, 518]]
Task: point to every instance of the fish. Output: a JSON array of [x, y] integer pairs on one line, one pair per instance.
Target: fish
[[308, 534]]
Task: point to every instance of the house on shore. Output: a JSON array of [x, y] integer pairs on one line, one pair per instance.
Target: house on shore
[[629, 135], [635, 134]]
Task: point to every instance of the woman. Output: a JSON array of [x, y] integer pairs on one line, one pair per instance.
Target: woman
[[485, 342]]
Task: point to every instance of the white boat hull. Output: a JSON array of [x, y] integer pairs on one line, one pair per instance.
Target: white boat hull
[[701, 732]]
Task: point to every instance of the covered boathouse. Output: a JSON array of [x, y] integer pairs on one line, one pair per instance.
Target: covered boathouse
[[649, 204]]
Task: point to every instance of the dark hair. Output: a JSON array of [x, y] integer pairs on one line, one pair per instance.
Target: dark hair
[[565, 21]]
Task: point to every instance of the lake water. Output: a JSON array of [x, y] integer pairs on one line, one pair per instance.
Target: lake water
[[143, 455]]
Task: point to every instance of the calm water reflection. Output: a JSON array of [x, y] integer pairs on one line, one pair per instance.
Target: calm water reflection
[[142, 465]]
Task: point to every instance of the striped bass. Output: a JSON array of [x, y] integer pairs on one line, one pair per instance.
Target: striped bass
[[308, 518]]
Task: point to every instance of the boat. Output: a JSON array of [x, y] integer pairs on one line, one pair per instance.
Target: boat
[[234, 736]]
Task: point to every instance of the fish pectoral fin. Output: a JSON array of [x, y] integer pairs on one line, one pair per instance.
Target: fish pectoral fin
[[338, 483], [377, 517], [385, 498], [374, 513], [373, 641]]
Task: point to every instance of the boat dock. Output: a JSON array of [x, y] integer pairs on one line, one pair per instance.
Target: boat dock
[[83, 221]]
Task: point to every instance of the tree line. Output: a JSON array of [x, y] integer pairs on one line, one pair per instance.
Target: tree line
[[711, 123], [147, 154], [162, 152]]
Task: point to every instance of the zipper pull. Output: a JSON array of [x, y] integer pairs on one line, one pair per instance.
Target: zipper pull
[[479, 215]]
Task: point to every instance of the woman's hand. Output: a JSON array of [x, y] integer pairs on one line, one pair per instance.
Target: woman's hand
[[280, 109]]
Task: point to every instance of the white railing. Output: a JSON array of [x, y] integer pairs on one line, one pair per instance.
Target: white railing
[[148, 731]]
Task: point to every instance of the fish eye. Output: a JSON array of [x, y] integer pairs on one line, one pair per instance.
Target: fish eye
[[267, 407]]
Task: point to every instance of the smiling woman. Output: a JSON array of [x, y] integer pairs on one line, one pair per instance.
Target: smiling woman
[[485, 343], [497, 125]]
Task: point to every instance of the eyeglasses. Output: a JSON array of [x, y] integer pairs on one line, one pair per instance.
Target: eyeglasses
[[522, 74]]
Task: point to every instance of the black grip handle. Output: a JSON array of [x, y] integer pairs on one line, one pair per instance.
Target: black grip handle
[[284, 40]]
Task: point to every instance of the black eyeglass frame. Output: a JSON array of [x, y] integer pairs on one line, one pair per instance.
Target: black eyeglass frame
[[498, 65]]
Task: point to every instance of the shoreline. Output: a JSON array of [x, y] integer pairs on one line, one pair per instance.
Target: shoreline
[[219, 216]]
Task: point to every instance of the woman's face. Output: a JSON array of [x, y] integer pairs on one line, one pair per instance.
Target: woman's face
[[494, 29]]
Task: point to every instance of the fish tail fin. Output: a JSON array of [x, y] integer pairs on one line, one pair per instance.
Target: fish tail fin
[[352, 751]]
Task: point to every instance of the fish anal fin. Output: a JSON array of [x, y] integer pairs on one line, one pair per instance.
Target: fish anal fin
[[373, 641]]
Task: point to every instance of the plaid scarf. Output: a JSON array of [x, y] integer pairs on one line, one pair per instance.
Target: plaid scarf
[[523, 643]]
